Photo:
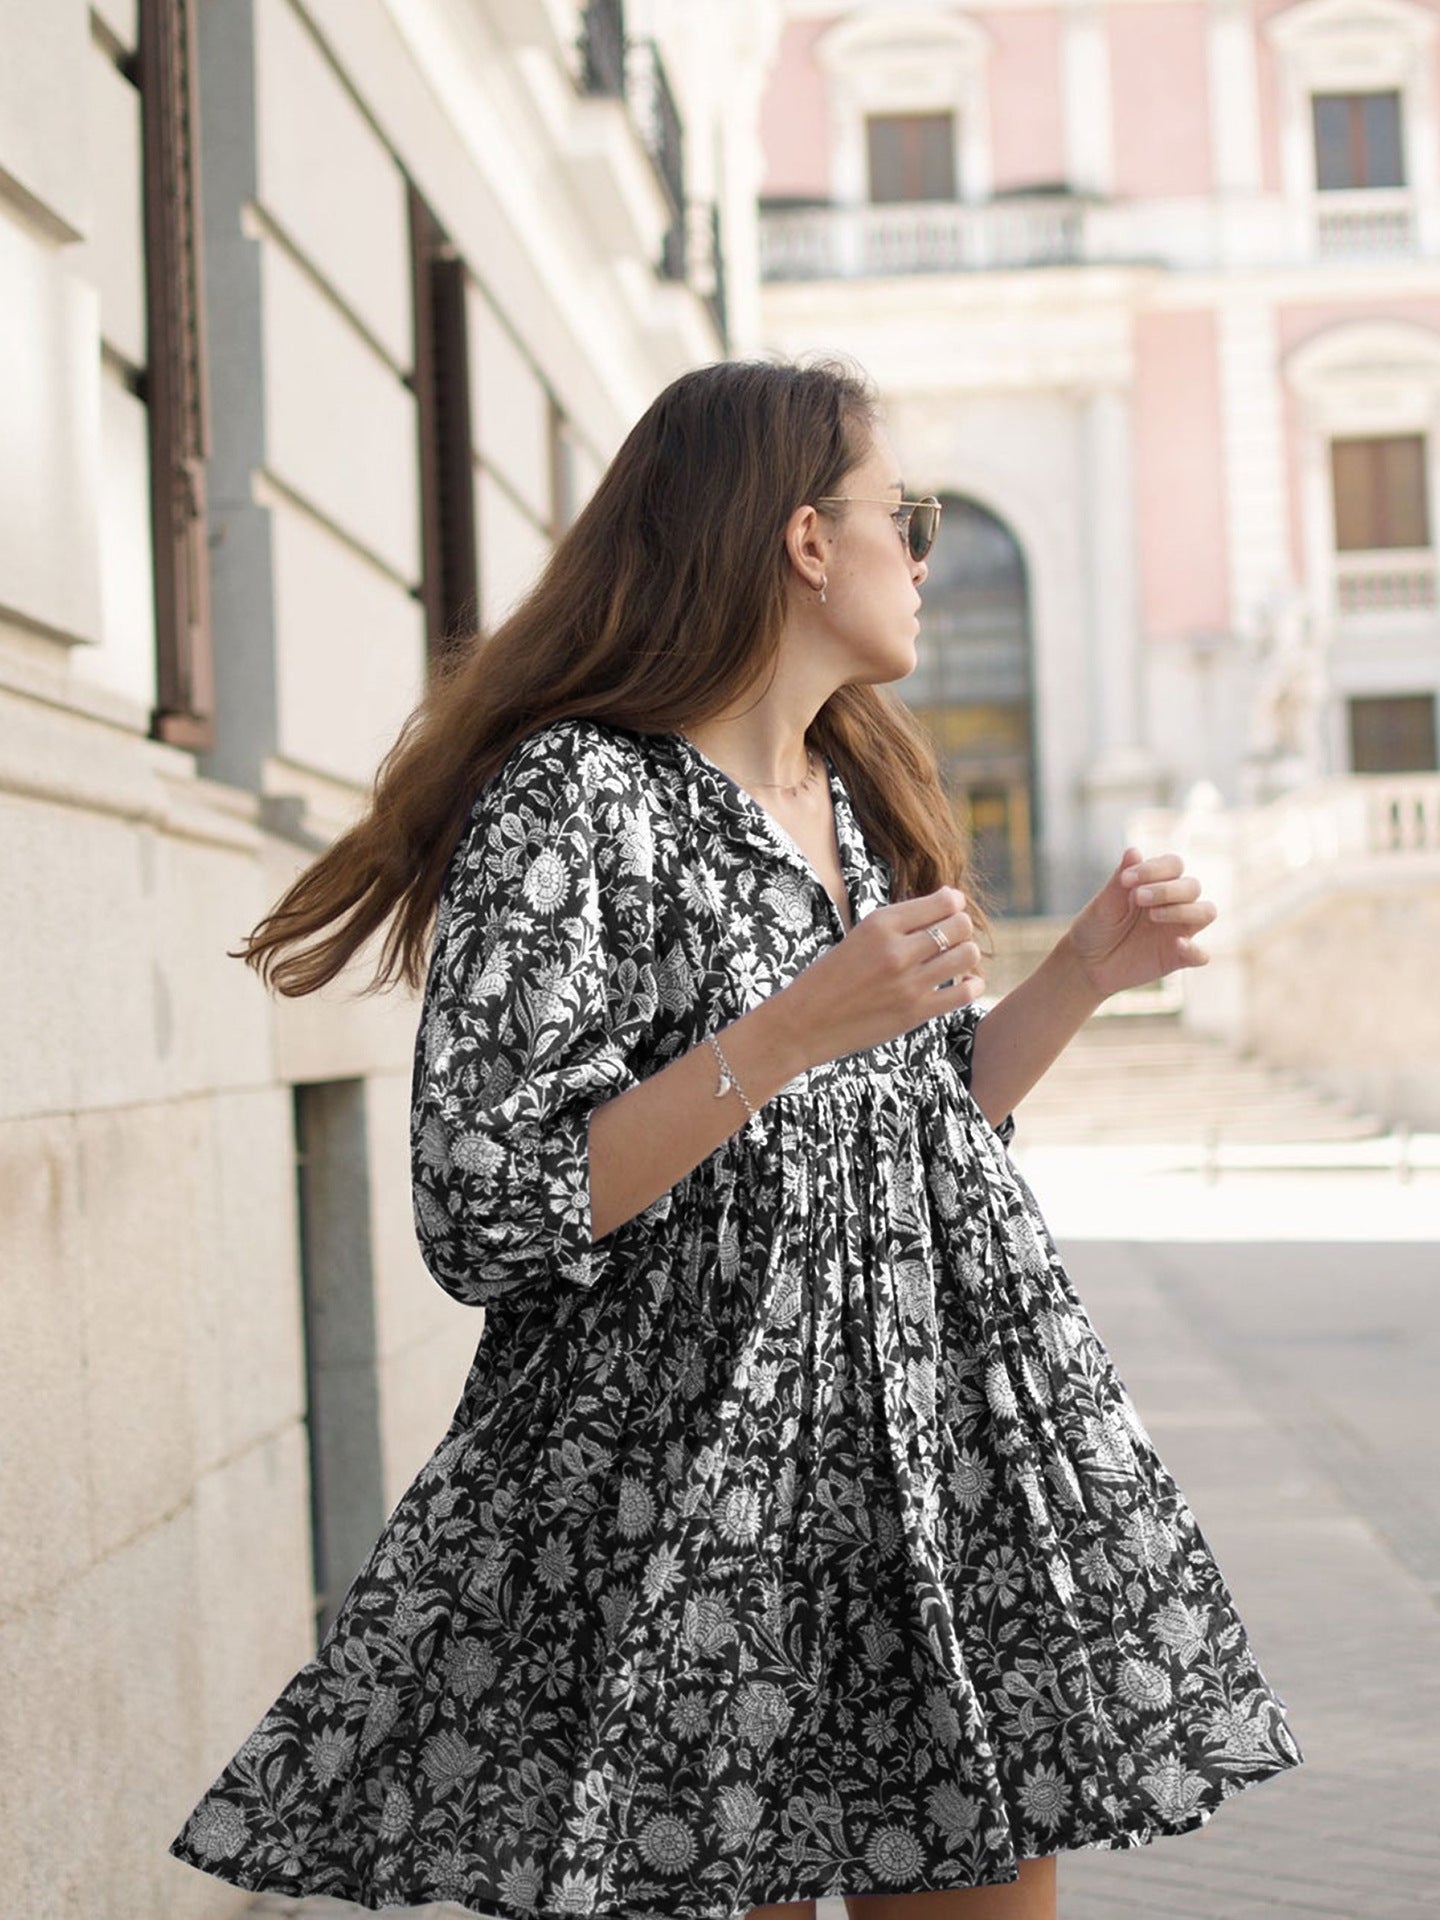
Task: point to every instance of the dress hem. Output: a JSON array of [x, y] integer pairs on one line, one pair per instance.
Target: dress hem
[[1117, 1840]]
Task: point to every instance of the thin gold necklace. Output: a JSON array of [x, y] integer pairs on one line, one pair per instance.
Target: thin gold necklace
[[779, 786]]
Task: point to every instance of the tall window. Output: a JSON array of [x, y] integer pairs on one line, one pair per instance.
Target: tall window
[[450, 563], [912, 156], [1357, 141], [175, 379], [1393, 734], [1381, 498]]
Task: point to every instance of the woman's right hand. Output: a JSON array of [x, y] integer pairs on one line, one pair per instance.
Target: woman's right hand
[[885, 977]]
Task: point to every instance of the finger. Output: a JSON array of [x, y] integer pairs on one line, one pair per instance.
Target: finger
[[1196, 914], [926, 909], [1164, 866], [1166, 893], [959, 956]]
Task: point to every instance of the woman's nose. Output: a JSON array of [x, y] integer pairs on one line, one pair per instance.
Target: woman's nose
[[919, 572]]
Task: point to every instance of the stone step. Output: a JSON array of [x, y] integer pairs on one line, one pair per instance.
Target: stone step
[[1141, 1077]]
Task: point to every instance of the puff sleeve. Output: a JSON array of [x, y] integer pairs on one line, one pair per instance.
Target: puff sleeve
[[962, 1024], [540, 994]]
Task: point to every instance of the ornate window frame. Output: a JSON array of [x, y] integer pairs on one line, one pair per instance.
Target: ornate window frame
[[1354, 46], [1355, 380], [910, 60]]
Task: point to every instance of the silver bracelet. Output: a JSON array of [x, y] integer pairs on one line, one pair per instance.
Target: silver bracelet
[[728, 1082]]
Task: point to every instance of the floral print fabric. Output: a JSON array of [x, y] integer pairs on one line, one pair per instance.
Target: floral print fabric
[[799, 1538]]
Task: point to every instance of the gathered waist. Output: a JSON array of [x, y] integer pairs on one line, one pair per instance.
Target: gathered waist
[[892, 1066]]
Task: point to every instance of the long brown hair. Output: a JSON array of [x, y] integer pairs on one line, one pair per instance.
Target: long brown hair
[[661, 605]]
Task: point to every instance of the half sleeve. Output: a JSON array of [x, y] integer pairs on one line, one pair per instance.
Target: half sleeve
[[540, 995], [962, 1024]]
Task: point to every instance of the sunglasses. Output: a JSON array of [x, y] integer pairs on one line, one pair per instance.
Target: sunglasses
[[916, 521]]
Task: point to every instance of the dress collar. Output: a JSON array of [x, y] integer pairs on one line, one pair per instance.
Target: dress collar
[[715, 795]]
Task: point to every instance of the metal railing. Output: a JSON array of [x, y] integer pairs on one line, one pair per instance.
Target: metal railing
[[602, 48], [657, 121], [634, 73]]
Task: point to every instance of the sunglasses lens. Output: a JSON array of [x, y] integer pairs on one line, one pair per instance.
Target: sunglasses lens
[[924, 520]]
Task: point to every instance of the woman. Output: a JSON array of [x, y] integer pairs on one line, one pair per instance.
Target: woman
[[793, 1535]]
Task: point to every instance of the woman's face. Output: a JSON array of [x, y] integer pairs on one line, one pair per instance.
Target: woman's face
[[872, 590]]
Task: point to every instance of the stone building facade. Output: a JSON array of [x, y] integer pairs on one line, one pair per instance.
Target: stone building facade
[[1152, 288], [321, 317]]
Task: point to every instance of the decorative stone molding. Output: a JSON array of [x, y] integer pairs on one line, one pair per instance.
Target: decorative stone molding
[[908, 60], [1349, 46], [1368, 377]]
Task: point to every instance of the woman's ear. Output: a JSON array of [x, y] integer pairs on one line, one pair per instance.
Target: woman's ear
[[807, 541]]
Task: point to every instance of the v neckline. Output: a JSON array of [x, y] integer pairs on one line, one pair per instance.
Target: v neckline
[[755, 815]]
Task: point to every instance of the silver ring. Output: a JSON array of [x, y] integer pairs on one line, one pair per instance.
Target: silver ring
[[938, 937]]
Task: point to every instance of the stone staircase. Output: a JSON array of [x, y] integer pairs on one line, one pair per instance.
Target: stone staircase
[[1139, 1077]]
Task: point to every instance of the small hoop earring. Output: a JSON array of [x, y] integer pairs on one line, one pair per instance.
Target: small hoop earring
[[824, 582]]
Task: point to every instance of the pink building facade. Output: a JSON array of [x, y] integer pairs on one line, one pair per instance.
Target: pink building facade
[[1151, 290]]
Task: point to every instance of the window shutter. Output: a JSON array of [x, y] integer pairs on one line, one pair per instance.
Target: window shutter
[[1393, 734], [1357, 141], [912, 156], [1380, 493], [175, 379]]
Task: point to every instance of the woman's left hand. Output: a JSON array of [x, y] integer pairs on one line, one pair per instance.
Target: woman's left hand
[[1141, 924]]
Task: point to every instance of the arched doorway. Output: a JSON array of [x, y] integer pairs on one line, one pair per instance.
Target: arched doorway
[[972, 689]]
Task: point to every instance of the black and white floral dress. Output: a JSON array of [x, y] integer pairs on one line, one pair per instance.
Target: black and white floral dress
[[798, 1539]]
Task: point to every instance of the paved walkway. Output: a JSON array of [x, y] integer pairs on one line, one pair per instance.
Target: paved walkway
[[1290, 1389], [1289, 1385]]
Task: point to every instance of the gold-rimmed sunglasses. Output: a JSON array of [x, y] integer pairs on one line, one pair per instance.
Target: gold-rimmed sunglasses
[[916, 521]]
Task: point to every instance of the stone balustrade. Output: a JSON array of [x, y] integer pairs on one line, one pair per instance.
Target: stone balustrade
[[842, 242], [1322, 957]]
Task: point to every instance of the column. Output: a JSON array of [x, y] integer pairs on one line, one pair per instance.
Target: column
[[1122, 774], [1085, 80]]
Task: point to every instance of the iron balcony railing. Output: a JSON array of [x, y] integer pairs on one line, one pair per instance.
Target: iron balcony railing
[[602, 47], [657, 121], [634, 72]]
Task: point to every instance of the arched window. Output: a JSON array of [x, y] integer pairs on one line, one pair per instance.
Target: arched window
[[972, 688]]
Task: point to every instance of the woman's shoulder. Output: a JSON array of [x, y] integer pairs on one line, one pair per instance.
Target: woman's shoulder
[[578, 756]]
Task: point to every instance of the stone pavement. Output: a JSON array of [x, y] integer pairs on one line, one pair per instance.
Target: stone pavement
[[1290, 1386]]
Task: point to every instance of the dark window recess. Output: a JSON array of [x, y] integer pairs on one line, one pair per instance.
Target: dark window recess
[[342, 1385], [602, 48], [450, 580], [912, 156], [1357, 141], [1394, 734], [175, 379], [717, 299], [1381, 498]]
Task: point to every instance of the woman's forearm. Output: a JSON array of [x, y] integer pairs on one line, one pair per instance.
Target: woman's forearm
[[650, 1136], [1024, 1033]]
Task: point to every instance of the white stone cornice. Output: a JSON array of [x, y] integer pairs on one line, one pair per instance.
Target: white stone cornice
[[1353, 24]]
